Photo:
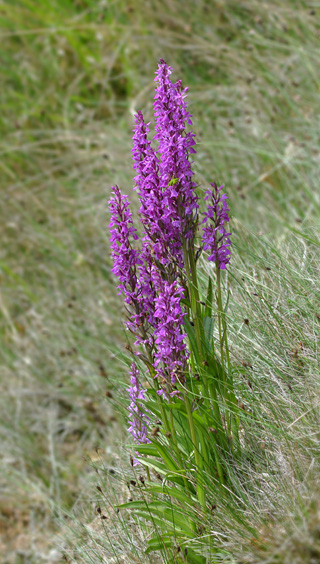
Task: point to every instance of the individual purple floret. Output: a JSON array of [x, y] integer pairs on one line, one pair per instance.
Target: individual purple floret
[[215, 238], [171, 354], [138, 418]]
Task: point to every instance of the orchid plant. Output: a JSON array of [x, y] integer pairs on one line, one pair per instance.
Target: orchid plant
[[184, 419]]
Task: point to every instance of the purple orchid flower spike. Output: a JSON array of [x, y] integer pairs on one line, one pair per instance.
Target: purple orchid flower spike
[[215, 237], [131, 267], [176, 146], [171, 354], [125, 258]]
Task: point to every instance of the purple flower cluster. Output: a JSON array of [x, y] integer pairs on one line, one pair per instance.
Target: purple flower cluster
[[138, 418], [175, 147], [171, 354], [215, 237], [125, 258], [164, 180], [168, 205], [128, 264], [146, 162]]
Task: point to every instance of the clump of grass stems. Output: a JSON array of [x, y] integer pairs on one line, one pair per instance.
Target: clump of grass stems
[[273, 515]]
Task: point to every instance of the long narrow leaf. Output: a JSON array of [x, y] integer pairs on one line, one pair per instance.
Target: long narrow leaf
[[192, 339], [208, 326], [176, 493]]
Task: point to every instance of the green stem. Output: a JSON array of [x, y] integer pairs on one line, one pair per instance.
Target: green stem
[[229, 395], [200, 490], [193, 293], [174, 439], [196, 313], [209, 389], [195, 290], [169, 428], [220, 312]]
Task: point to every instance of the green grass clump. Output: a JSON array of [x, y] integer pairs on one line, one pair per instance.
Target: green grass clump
[[273, 516], [72, 75]]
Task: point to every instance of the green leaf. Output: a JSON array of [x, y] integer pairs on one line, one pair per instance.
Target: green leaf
[[194, 558], [199, 422], [192, 339], [152, 407], [172, 515], [158, 521], [149, 450], [178, 519], [163, 452], [178, 404], [176, 493], [139, 504], [214, 369], [197, 417], [185, 302], [227, 303], [164, 524], [155, 465], [162, 469], [158, 543], [208, 326]]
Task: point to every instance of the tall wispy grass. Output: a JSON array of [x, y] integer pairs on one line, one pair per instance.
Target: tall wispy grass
[[72, 74], [273, 333]]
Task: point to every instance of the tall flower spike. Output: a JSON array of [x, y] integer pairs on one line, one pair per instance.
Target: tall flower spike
[[138, 419], [128, 266], [159, 233], [171, 354], [147, 182], [125, 258], [146, 297], [215, 238], [175, 147]]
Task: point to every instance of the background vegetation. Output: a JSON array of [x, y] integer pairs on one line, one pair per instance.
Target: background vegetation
[[73, 74]]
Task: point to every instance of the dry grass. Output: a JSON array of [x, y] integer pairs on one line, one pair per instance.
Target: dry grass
[[72, 74]]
